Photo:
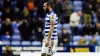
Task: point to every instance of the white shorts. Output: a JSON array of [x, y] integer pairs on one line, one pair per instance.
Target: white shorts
[[51, 49]]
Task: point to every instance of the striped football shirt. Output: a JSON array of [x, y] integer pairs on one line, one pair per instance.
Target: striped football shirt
[[51, 18]]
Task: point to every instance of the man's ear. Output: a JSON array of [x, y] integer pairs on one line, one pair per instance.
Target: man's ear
[[48, 6]]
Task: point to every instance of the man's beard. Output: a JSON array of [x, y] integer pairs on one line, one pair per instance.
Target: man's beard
[[46, 11]]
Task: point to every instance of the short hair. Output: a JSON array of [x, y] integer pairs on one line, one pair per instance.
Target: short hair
[[50, 4]]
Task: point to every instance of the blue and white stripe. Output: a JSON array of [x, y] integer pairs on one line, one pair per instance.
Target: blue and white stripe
[[47, 25]]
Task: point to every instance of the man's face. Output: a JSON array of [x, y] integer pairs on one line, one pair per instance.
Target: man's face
[[45, 6], [8, 20], [79, 13]]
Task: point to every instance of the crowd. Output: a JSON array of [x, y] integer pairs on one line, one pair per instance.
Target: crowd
[[26, 19]]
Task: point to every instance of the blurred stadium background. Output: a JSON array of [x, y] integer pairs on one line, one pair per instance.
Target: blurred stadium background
[[22, 25]]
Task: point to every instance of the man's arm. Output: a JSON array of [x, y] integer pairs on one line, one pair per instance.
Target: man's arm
[[52, 23], [51, 31]]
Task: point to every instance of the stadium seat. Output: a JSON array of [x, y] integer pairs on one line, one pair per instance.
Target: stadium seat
[[0, 42], [77, 3], [15, 43], [67, 26], [33, 37], [36, 43], [97, 38], [59, 26], [77, 38], [16, 37], [75, 43], [5, 42], [77, 9], [59, 31], [26, 43], [88, 38], [5, 38], [87, 43], [15, 27], [71, 43], [16, 31], [80, 26], [69, 31]]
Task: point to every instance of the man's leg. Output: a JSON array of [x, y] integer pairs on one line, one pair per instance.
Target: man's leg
[[53, 49], [44, 50]]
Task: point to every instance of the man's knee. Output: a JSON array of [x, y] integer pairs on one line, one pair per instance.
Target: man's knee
[[43, 54]]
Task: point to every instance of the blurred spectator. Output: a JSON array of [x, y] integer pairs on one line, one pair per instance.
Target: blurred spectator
[[1, 5], [87, 29], [58, 8], [30, 6], [97, 29], [97, 5], [74, 22], [40, 8], [98, 15], [98, 11], [7, 13], [28, 15], [20, 4], [38, 28], [25, 30], [26, 12], [7, 27], [7, 3], [93, 41], [93, 4], [8, 51], [87, 12], [67, 11], [65, 38], [82, 41]]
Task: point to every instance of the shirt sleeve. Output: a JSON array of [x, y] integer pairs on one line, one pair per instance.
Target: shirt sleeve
[[52, 19]]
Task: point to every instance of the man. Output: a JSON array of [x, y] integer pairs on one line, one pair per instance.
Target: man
[[82, 41], [67, 9], [6, 28], [74, 22], [50, 38], [65, 37], [87, 12], [8, 51], [93, 41]]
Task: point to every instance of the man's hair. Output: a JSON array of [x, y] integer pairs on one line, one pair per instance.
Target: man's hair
[[50, 4]]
